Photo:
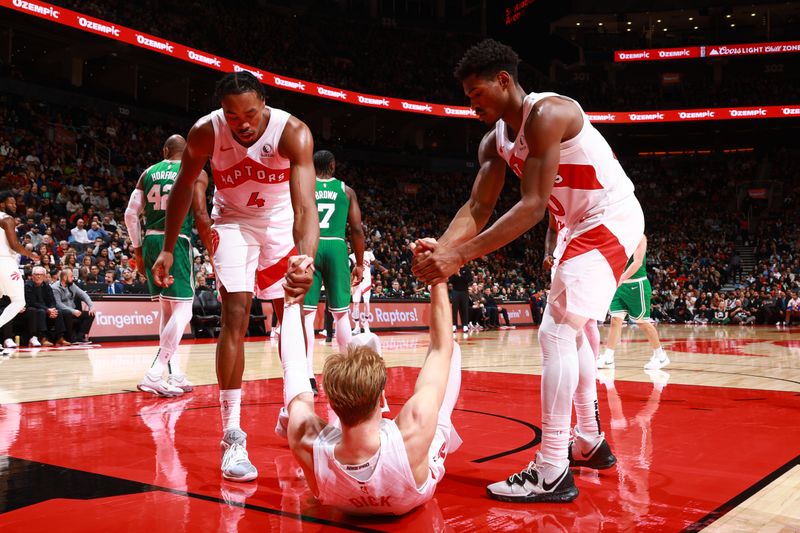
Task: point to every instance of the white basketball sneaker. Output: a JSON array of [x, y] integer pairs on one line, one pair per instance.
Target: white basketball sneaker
[[159, 387], [658, 361], [283, 423], [539, 482], [590, 451], [356, 330], [236, 465], [606, 360], [8, 343], [180, 381]]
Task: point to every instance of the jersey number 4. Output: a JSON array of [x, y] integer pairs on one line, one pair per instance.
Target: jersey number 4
[[254, 200], [158, 195], [327, 210]]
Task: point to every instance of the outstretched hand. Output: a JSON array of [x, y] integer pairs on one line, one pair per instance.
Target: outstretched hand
[[299, 276], [433, 262]]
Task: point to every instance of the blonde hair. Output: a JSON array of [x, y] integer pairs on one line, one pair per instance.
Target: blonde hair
[[353, 383]]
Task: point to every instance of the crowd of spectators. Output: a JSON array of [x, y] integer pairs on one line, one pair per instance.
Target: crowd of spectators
[[70, 204]]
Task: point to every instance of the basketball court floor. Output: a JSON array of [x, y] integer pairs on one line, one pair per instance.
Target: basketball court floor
[[712, 442]]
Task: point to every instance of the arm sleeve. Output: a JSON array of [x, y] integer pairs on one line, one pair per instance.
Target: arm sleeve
[[132, 217]]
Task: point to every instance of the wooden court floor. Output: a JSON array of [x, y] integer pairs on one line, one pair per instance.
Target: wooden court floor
[[711, 442]]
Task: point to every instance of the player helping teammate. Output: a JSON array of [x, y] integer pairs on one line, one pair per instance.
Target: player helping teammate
[[149, 198], [263, 213], [566, 166], [366, 464]]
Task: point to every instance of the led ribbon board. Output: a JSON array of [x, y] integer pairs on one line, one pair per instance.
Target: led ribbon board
[[73, 19]]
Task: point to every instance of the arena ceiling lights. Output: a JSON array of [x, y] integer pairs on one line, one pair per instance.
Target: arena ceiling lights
[[73, 19]]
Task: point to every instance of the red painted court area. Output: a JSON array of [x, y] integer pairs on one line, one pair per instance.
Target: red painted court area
[[128, 462]]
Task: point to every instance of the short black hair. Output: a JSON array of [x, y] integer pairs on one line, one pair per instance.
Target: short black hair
[[5, 195], [323, 159], [486, 59], [238, 83]]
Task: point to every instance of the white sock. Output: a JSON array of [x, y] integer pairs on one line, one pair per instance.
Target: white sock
[[609, 354], [586, 409], [175, 315], [309, 323], [343, 332], [293, 354], [230, 401], [659, 352], [156, 369], [559, 381]]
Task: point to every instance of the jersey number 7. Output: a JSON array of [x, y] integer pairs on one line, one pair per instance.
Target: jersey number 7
[[328, 210]]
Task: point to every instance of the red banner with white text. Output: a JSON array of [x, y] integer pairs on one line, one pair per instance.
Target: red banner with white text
[[692, 52], [686, 115], [170, 48]]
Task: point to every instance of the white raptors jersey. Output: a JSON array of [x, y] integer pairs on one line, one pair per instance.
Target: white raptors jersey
[[590, 180], [369, 257], [5, 249], [390, 489], [252, 183]]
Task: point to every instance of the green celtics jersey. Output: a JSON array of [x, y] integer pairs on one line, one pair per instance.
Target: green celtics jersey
[[158, 181], [333, 205], [642, 272]]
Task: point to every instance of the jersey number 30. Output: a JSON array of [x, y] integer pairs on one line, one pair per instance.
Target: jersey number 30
[[158, 195]]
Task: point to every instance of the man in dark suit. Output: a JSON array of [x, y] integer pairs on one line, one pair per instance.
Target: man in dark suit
[[41, 313], [113, 287]]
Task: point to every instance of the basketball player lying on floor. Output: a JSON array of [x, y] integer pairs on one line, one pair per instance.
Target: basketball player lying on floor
[[365, 464]]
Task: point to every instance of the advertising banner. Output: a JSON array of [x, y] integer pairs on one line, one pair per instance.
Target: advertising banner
[[181, 52], [692, 52], [128, 319]]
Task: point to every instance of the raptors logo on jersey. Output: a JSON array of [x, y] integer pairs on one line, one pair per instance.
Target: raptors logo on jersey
[[598, 218], [589, 176], [252, 182]]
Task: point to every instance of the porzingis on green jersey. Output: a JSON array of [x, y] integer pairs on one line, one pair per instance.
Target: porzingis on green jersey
[[333, 205], [158, 181]]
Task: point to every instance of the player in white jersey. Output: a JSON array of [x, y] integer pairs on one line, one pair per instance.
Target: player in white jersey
[[566, 166], [363, 291], [365, 464], [264, 211], [11, 282]]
